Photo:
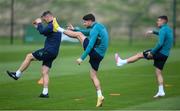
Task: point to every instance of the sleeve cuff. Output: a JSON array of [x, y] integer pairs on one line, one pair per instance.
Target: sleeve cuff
[[82, 57], [152, 51]]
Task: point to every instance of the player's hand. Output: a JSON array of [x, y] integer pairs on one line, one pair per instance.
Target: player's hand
[[149, 55], [79, 61], [35, 22], [148, 32], [70, 27], [38, 20]]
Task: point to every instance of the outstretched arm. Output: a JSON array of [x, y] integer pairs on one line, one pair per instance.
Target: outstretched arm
[[156, 32], [86, 32], [73, 34]]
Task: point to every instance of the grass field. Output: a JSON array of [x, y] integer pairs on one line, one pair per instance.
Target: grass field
[[70, 85]]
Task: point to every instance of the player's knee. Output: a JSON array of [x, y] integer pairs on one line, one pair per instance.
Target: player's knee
[[93, 76], [139, 55], [158, 71], [29, 56], [79, 34], [44, 72]]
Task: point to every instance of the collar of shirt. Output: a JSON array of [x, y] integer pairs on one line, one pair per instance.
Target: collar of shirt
[[92, 25], [165, 24]]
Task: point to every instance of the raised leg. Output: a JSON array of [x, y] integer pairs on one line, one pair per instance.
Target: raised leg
[[77, 35], [26, 62], [135, 58]]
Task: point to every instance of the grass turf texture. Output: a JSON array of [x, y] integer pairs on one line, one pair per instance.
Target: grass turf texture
[[71, 88]]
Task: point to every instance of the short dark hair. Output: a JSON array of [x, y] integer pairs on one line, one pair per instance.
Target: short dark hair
[[46, 13], [164, 17], [89, 17]]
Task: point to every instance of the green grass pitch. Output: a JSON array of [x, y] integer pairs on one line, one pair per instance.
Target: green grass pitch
[[70, 85]]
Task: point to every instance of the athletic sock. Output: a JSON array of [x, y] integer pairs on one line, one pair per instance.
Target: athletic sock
[[60, 29], [99, 93], [18, 73], [161, 89], [45, 91], [122, 62]]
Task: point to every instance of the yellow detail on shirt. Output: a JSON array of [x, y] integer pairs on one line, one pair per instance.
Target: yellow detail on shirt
[[55, 25]]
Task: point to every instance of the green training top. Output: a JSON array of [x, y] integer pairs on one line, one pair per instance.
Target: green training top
[[165, 40], [98, 39]]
